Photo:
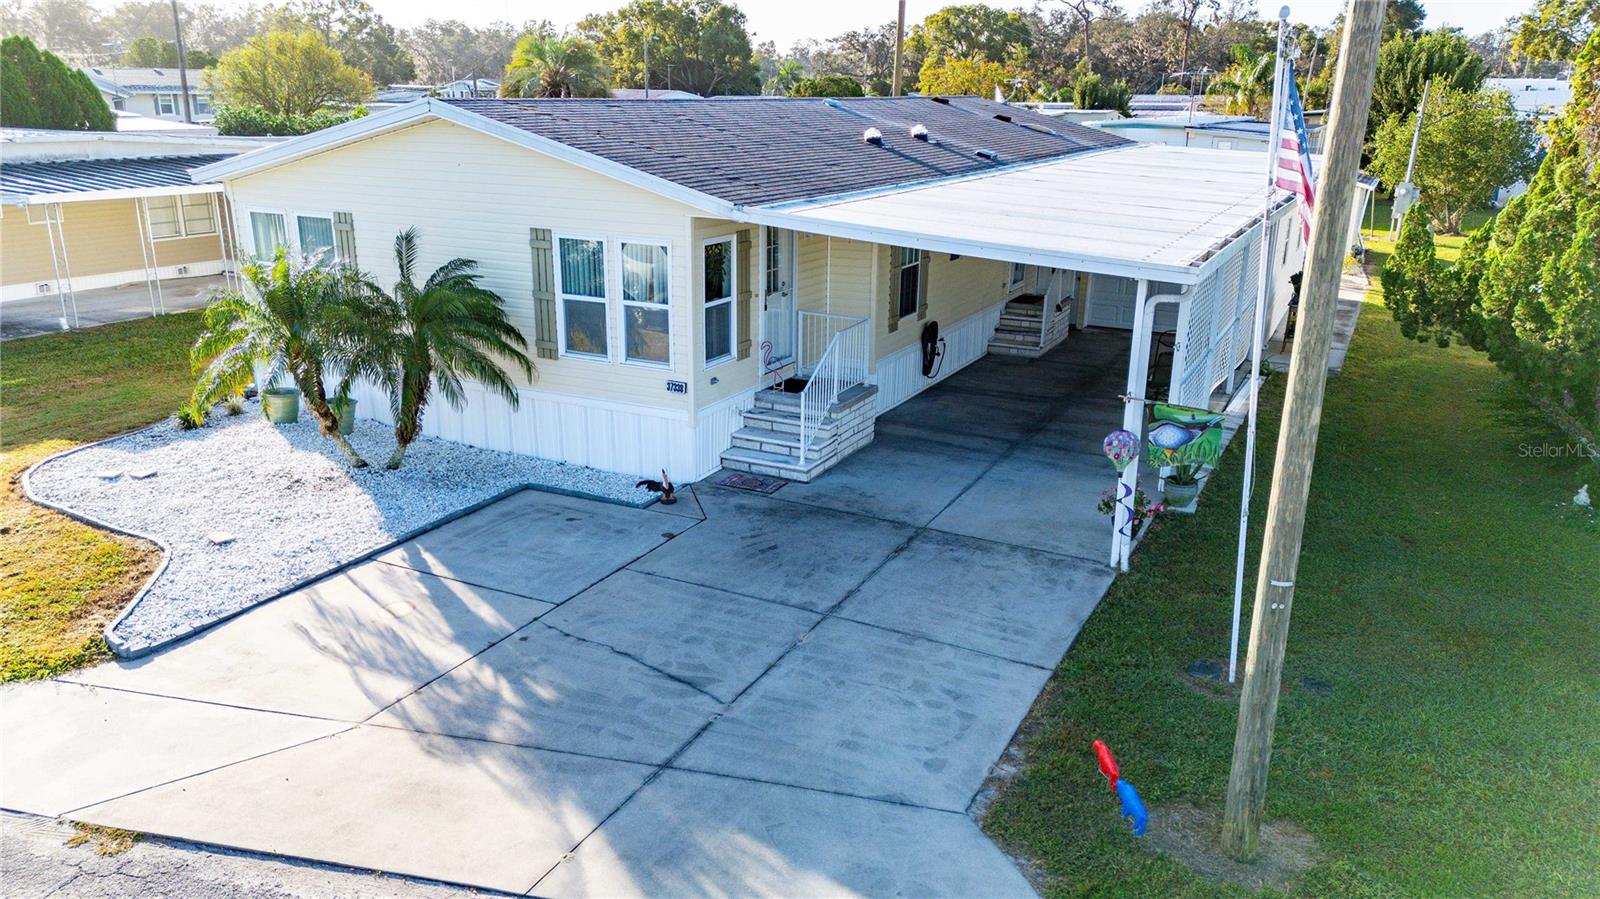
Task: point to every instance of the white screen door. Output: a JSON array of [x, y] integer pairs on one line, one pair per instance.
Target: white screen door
[[777, 297]]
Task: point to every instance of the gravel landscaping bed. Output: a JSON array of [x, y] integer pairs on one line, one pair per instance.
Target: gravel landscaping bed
[[291, 505]]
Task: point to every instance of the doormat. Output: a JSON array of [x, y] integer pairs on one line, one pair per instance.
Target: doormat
[[755, 483]]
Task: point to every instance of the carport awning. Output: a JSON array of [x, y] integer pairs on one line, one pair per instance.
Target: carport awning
[[86, 180], [1144, 211]]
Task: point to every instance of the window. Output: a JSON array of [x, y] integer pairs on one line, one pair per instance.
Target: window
[[163, 212], [186, 216], [166, 104], [267, 234], [646, 328], [315, 233], [197, 218], [1019, 273], [910, 262], [721, 286], [581, 285], [201, 104]]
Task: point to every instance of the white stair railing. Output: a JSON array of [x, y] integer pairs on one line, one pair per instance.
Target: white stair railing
[[840, 365]]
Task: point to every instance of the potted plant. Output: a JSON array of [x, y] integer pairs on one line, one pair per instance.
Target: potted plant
[[281, 405], [345, 408], [1181, 486]]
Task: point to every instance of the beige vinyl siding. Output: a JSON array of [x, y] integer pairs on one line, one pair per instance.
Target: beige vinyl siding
[[476, 196], [956, 290], [102, 238], [844, 287]]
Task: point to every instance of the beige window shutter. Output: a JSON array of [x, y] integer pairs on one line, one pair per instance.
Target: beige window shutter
[[741, 264], [544, 292], [924, 268], [894, 289], [344, 237]]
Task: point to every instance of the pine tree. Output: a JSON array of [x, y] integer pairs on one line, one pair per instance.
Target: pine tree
[[38, 90]]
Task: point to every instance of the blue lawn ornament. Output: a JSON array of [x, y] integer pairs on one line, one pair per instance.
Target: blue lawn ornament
[[1133, 807]]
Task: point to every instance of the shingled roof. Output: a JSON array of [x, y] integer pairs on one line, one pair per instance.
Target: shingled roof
[[765, 150]]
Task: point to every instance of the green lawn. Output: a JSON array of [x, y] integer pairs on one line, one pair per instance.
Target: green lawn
[[1448, 594], [61, 582], [1449, 245]]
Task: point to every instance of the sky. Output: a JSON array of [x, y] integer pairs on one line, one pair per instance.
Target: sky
[[788, 21]]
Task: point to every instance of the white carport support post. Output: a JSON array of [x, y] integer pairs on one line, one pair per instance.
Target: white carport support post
[[155, 263], [144, 254], [1133, 421], [53, 218]]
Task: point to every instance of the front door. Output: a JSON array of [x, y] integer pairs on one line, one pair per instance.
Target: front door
[[777, 298]]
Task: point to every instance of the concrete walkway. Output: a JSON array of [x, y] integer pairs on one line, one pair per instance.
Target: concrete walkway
[[1352, 293], [42, 315], [795, 694]]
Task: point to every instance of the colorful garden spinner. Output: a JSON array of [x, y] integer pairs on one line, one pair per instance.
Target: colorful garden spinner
[[1121, 448], [1132, 806]]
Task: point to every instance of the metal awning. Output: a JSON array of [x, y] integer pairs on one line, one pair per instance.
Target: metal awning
[[1143, 211], [83, 180]]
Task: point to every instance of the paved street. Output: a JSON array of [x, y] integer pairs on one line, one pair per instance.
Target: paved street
[[741, 694]]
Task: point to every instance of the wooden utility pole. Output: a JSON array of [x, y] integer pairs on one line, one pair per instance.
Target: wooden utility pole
[[899, 47], [183, 64], [1297, 440]]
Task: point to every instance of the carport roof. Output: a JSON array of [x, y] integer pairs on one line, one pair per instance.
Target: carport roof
[[62, 181], [1146, 210]]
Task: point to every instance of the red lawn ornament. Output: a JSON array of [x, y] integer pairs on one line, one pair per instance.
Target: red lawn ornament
[[1108, 764]]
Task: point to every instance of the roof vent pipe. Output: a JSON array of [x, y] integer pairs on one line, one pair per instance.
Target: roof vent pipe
[[873, 136], [919, 131]]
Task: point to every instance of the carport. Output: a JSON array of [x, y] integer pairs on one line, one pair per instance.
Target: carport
[[1182, 226]]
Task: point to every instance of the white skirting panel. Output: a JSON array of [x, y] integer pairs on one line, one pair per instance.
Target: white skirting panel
[[899, 375], [632, 439], [133, 277], [714, 432]]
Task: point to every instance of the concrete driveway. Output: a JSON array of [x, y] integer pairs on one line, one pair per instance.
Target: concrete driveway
[[42, 315], [797, 694]]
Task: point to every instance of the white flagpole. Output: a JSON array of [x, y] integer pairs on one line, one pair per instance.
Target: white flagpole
[[1274, 134]]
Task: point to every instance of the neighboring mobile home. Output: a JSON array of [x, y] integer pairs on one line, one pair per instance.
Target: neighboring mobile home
[[671, 261], [154, 92]]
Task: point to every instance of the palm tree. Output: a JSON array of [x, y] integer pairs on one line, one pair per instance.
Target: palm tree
[[1247, 84], [546, 65], [449, 329], [303, 319]]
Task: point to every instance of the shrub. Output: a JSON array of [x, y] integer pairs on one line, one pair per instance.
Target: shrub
[[827, 86], [255, 121], [192, 415]]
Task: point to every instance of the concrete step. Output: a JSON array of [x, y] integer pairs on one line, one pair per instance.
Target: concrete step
[[776, 399], [772, 441], [1014, 340], [1013, 320], [778, 465], [784, 420]]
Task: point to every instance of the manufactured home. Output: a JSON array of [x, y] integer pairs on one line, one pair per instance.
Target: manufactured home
[[748, 283]]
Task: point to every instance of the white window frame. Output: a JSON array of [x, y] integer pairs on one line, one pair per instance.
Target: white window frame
[[250, 231], [292, 225], [732, 301], [196, 99], [922, 272], [623, 302], [561, 297], [166, 104]]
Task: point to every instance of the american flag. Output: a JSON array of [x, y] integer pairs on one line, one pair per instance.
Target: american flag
[[1294, 155]]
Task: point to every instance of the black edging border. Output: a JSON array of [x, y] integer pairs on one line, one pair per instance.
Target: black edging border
[[122, 650]]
